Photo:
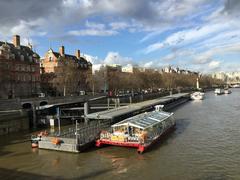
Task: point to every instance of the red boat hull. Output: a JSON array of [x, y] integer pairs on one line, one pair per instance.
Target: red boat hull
[[34, 145], [140, 147]]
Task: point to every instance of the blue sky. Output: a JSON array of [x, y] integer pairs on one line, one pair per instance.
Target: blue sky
[[199, 35]]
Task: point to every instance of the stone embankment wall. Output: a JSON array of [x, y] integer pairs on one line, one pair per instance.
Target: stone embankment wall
[[13, 122]]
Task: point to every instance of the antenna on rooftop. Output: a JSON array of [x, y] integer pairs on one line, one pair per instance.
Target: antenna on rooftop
[[50, 44]]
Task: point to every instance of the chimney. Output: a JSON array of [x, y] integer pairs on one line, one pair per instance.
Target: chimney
[[16, 40], [61, 50], [77, 54], [29, 45]]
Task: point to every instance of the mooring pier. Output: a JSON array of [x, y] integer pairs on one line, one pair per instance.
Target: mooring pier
[[78, 138], [122, 112]]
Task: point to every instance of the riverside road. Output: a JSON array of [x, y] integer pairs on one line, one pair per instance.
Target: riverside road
[[205, 145]]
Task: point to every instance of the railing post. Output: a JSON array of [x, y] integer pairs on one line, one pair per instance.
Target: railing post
[[86, 109], [34, 116], [108, 102]]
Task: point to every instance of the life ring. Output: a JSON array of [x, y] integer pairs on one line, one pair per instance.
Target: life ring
[[56, 141]]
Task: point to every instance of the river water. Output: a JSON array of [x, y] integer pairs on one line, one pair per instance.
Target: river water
[[204, 146]]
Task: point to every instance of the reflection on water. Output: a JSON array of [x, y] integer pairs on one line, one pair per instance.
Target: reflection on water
[[205, 146]]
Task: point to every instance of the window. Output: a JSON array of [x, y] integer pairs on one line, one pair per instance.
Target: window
[[8, 66], [22, 58], [30, 59], [50, 59], [22, 68]]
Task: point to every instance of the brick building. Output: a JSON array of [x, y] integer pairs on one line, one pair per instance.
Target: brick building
[[19, 70], [54, 63]]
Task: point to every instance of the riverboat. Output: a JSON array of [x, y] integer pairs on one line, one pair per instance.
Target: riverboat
[[140, 131], [35, 138], [34, 141], [197, 96], [236, 86], [219, 91], [227, 91]]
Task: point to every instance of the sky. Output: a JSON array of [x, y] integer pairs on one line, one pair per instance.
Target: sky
[[198, 35]]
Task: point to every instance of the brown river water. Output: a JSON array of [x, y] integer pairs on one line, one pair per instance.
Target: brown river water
[[204, 146]]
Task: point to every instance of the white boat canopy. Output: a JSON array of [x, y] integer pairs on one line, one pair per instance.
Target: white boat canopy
[[144, 120]]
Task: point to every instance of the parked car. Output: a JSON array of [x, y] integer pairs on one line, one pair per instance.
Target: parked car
[[82, 93], [41, 95]]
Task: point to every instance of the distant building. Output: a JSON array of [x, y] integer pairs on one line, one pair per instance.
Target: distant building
[[220, 76], [129, 68], [170, 69], [230, 77], [19, 70]]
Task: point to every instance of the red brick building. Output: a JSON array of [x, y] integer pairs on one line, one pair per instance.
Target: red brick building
[[19, 70], [54, 63]]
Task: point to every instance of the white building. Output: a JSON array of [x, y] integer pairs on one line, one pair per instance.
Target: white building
[[128, 68]]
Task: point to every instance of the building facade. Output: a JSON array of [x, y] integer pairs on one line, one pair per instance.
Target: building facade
[[19, 70], [56, 67], [229, 77]]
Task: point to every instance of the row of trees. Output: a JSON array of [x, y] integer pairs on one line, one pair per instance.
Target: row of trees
[[71, 80], [116, 80]]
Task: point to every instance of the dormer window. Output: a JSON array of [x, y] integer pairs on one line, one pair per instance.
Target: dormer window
[[22, 58]]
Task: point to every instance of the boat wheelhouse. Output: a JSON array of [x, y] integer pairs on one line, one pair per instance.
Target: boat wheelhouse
[[219, 91], [197, 96], [140, 131], [227, 91]]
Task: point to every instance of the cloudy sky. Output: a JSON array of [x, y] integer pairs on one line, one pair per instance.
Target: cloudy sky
[[198, 35]]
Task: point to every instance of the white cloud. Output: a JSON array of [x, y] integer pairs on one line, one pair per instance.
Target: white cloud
[[153, 47], [93, 29], [119, 25], [110, 59], [94, 25], [116, 58], [93, 32], [148, 64], [186, 37], [92, 59], [214, 65]]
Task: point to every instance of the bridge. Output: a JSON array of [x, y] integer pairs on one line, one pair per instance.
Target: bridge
[[18, 104]]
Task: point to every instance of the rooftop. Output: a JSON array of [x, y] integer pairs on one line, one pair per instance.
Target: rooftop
[[145, 120]]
